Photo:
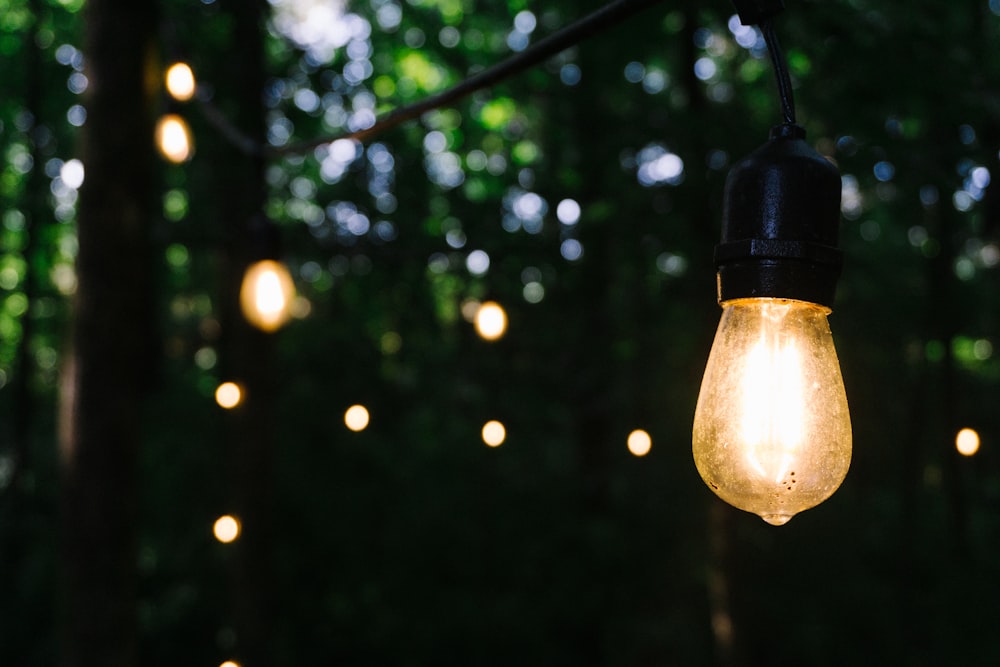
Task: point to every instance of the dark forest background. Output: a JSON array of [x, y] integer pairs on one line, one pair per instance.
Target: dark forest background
[[411, 542]]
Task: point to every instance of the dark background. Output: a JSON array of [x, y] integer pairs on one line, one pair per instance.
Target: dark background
[[412, 543]]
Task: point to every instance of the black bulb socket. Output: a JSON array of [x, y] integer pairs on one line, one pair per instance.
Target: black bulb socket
[[780, 223]]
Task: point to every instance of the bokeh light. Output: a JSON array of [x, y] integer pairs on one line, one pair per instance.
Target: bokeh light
[[477, 262], [72, 173], [267, 294], [180, 83], [173, 138], [491, 321], [494, 433], [230, 663], [568, 212], [228, 395], [226, 528], [356, 418], [469, 309], [639, 442], [967, 442]]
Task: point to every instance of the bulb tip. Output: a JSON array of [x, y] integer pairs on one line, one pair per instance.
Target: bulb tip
[[777, 519]]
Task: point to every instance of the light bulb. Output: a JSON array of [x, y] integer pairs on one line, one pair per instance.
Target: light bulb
[[173, 138], [494, 433], [180, 82], [491, 321], [772, 430], [266, 295], [356, 418], [967, 442], [226, 528]]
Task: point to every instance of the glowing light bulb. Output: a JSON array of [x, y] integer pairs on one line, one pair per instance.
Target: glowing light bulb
[[494, 433], [180, 82], [356, 418], [967, 442], [173, 138], [491, 321], [226, 528], [228, 395], [267, 295], [772, 430], [639, 442]]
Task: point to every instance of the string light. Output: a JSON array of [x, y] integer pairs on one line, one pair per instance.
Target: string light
[[494, 433], [967, 442], [173, 138], [356, 418], [180, 82], [639, 442], [228, 395], [267, 294], [226, 528], [491, 321]]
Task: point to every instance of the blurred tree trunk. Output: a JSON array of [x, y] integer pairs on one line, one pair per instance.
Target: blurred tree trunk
[[105, 374], [247, 353]]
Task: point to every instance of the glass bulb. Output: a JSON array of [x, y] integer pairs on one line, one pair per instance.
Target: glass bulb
[[266, 295], [772, 430]]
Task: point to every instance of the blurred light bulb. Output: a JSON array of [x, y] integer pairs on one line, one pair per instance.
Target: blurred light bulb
[[491, 321], [228, 395], [267, 294], [772, 430], [356, 418], [180, 82], [494, 433], [967, 442], [173, 138], [226, 528], [639, 442]]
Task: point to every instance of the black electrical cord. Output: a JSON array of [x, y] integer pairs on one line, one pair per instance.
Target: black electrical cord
[[780, 71], [760, 13]]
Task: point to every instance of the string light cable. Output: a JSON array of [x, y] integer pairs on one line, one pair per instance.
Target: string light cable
[[761, 13]]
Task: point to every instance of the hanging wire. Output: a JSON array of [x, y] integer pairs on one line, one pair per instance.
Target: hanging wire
[[761, 13], [590, 25], [780, 71]]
